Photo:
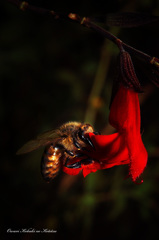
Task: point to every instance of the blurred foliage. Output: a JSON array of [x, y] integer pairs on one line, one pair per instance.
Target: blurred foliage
[[47, 71]]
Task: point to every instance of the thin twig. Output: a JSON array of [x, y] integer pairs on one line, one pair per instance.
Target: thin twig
[[23, 5]]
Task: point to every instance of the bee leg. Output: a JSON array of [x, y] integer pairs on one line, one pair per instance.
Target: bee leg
[[79, 154], [67, 160], [85, 139], [74, 165], [69, 152], [60, 146], [85, 161], [76, 143], [88, 141]]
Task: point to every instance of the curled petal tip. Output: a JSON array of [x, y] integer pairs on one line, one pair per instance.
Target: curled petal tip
[[136, 181], [140, 181]]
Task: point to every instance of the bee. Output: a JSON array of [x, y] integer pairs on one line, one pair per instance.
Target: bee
[[62, 145]]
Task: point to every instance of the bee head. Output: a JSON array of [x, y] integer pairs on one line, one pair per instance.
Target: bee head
[[86, 128]]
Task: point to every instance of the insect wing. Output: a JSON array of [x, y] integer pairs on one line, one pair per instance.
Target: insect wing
[[48, 135], [41, 140], [32, 145]]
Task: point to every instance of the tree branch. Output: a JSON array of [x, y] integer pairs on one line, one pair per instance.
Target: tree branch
[[25, 6]]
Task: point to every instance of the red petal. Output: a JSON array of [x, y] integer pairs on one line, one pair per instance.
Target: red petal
[[125, 111], [125, 117], [138, 157], [110, 150], [86, 169], [90, 168], [71, 171]]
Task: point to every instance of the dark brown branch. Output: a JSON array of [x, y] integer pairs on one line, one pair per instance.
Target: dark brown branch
[[114, 39], [22, 5]]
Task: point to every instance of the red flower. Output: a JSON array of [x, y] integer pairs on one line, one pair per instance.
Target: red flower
[[123, 147]]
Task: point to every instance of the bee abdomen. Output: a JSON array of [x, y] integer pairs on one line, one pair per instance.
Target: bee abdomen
[[50, 162]]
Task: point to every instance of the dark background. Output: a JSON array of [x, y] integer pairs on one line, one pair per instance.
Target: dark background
[[48, 69]]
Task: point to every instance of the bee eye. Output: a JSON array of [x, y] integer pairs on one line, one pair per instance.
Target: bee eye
[[84, 127]]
